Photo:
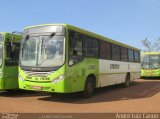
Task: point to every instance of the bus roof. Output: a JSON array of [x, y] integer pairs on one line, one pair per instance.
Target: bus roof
[[88, 33], [150, 53]]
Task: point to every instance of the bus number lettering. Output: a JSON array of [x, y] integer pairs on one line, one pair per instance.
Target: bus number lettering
[[91, 67], [114, 66]]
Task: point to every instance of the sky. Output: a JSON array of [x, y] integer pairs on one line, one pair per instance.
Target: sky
[[127, 21]]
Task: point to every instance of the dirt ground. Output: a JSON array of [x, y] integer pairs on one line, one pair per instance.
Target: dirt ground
[[141, 96]]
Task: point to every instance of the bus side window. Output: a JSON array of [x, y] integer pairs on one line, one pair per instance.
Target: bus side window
[[130, 55], [105, 50], [91, 47], [115, 52], [75, 48], [124, 54], [136, 56]]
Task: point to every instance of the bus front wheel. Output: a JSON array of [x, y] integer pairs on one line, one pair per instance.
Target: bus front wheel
[[89, 88]]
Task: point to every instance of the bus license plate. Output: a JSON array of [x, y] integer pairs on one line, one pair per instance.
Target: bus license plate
[[37, 87]]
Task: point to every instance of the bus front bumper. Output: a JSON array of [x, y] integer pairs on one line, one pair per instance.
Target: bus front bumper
[[47, 86], [150, 75]]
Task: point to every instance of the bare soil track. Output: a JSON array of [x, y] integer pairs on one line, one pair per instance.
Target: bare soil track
[[141, 96]]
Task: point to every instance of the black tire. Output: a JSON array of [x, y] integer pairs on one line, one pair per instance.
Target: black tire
[[89, 88], [10, 90], [127, 81]]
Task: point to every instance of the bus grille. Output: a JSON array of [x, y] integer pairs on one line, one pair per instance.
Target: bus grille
[[38, 74]]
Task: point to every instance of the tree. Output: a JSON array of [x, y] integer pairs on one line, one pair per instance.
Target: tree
[[151, 46], [157, 45]]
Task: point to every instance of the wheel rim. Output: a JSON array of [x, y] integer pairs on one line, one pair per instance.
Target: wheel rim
[[90, 88]]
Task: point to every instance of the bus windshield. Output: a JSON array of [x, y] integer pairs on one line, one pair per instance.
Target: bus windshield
[[42, 51], [0, 54], [151, 61]]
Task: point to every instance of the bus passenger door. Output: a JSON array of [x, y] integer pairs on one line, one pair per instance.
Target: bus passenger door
[[11, 65], [76, 65], [10, 77]]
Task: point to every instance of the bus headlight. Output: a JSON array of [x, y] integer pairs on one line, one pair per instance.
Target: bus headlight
[[58, 79], [20, 77], [156, 71]]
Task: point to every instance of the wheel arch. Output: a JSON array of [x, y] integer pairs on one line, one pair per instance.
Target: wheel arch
[[93, 77], [128, 73]]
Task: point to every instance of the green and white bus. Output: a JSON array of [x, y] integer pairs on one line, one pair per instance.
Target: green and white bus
[[63, 58], [9, 56], [150, 64]]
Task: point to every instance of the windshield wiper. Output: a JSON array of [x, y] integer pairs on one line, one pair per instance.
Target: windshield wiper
[[52, 34], [24, 43], [26, 37]]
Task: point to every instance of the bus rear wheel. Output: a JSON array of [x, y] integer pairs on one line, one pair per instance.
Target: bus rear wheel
[[89, 88], [127, 81]]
